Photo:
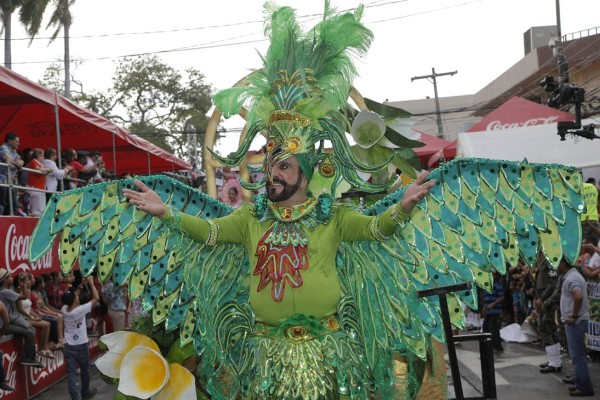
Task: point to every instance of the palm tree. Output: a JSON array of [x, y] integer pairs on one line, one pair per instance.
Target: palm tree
[[31, 15], [7, 8]]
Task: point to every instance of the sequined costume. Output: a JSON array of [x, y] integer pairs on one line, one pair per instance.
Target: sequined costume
[[300, 311], [481, 215], [318, 300]]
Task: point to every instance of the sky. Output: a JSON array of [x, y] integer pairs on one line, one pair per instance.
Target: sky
[[480, 39]]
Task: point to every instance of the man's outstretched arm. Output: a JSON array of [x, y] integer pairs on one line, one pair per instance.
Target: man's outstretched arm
[[356, 226], [226, 229]]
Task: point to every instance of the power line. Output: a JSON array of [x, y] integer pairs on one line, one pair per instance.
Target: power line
[[177, 30], [425, 12], [209, 46], [189, 48]]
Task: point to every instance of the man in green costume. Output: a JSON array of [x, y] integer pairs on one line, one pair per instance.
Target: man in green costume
[[294, 281], [297, 296]]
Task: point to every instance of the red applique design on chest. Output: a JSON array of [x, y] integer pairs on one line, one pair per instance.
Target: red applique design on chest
[[279, 265]]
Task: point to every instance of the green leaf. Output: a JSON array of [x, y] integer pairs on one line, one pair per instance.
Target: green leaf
[[400, 140], [373, 155], [385, 110], [411, 157], [408, 162], [378, 154], [178, 354], [360, 153]]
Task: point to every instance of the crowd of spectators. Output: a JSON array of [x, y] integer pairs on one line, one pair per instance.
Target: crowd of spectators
[[34, 307], [38, 169]]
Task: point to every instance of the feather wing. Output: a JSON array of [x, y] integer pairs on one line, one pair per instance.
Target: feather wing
[[184, 283], [480, 216]]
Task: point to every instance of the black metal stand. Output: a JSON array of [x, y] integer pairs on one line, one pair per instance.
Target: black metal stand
[[485, 344]]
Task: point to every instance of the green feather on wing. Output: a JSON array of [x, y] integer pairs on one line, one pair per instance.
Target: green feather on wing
[[182, 282], [480, 216]]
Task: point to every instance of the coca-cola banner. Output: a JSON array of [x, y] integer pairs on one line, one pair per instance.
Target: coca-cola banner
[[13, 370], [497, 124], [518, 113], [39, 379], [27, 381], [14, 251], [54, 370]]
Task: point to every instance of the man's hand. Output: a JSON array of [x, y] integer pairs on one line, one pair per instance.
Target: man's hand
[[416, 191], [538, 303], [147, 200]]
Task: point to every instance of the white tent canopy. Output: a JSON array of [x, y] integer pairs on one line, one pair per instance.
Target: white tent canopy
[[539, 144]]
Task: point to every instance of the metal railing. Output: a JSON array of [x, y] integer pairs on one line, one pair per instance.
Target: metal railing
[[581, 34], [12, 173]]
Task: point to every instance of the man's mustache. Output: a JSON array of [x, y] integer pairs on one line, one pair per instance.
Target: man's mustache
[[276, 179]]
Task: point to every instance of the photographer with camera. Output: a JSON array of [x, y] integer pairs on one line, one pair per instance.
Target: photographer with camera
[[76, 347]]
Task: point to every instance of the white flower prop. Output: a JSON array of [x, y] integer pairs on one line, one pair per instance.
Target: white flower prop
[[119, 344], [367, 129], [144, 373], [181, 385]]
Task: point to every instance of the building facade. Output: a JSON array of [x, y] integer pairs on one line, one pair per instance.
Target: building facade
[[581, 51]]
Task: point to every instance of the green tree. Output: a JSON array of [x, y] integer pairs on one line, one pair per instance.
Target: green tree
[[7, 8], [150, 99], [31, 15]]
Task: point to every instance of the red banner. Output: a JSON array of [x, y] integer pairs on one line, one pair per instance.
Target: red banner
[[39, 379], [14, 371], [14, 250], [27, 381]]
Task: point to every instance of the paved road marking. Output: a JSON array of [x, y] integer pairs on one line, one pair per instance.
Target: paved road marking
[[470, 359]]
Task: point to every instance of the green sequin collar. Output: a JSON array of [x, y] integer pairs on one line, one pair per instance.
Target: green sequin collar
[[292, 213], [320, 209]]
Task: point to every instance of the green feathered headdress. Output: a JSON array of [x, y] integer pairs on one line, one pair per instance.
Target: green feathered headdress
[[298, 99]]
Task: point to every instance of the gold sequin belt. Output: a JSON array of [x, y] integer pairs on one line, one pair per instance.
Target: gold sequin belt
[[299, 328]]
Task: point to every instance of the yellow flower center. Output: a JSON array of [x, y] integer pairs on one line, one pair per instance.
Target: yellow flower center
[[149, 373]]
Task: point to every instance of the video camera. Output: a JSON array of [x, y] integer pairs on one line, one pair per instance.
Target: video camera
[[563, 94]]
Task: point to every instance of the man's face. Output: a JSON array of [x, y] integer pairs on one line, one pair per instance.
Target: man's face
[[14, 143], [285, 180]]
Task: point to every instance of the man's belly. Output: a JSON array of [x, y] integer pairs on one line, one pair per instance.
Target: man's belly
[[318, 296]]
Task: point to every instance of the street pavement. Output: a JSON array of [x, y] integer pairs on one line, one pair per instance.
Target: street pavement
[[517, 373], [517, 376]]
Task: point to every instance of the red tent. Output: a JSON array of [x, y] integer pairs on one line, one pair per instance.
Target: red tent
[[435, 148], [518, 112], [34, 113]]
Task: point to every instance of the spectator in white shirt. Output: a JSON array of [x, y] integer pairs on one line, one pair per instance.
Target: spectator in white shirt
[[50, 157]]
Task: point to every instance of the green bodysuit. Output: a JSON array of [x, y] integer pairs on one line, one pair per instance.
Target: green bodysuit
[[320, 292], [296, 296]]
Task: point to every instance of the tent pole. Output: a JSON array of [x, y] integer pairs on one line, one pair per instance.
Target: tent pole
[[61, 183], [149, 170], [114, 153]]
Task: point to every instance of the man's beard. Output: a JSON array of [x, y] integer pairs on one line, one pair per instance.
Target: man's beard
[[287, 192]]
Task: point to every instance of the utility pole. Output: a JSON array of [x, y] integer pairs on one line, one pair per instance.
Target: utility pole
[[563, 67], [433, 77]]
